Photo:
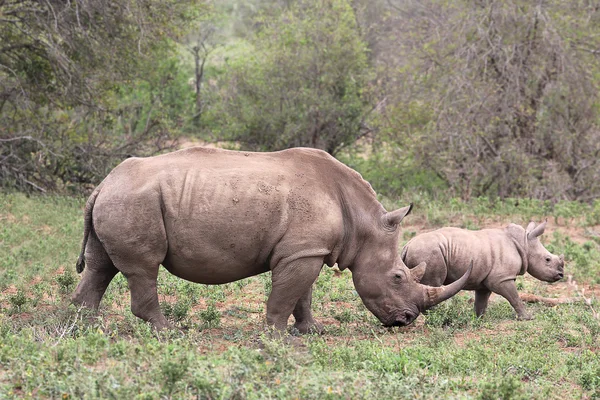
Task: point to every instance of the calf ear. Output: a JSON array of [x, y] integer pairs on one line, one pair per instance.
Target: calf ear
[[418, 271], [537, 231], [393, 218], [530, 227]]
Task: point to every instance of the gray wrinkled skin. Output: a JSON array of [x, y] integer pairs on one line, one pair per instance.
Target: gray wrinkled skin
[[215, 216], [499, 255]]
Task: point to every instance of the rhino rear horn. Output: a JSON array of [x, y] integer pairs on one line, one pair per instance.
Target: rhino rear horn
[[418, 271], [435, 295], [537, 231], [393, 218]]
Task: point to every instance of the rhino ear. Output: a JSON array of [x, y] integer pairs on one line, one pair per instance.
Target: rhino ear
[[393, 218], [530, 227], [537, 231], [418, 271]]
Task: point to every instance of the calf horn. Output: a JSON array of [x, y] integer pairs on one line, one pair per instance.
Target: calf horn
[[435, 295]]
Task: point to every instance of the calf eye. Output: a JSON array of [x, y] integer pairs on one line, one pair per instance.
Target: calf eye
[[548, 259]]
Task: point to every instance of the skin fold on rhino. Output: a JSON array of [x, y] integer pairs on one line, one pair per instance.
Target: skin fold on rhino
[[215, 216], [499, 255]]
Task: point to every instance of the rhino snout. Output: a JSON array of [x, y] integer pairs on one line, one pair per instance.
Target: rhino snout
[[561, 267], [402, 318]]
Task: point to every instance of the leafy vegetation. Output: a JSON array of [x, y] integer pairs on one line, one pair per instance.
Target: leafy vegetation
[[49, 348], [458, 99]]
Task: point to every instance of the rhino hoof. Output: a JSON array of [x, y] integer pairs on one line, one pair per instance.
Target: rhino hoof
[[309, 327], [524, 317]]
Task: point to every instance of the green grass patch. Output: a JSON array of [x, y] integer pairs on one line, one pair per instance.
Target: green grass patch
[[51, 349]]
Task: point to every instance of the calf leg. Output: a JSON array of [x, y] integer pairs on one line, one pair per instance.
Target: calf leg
[[508, 290], [292, 282], [305, 323], [481, 301], [98, 273]]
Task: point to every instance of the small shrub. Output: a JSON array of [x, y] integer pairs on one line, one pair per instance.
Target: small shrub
[[178, 310], [211, 316], [65, 281], [507, 387], [173, 372], [18, 301], [593, 216]]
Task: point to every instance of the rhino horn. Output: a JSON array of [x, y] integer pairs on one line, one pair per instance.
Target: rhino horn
[[393, 218], [418, 271], [537, 231], [435, 295]]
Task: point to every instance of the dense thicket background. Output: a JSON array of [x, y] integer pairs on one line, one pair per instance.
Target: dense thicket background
[[461, 98]]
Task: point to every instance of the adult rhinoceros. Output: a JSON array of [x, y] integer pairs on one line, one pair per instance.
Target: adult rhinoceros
[[215, 216]]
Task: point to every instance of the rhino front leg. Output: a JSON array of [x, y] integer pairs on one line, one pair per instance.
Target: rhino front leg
[[291, 282], [481, 301], [508, 290], [305, 323]]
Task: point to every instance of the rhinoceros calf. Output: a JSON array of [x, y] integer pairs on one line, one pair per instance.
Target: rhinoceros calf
[[498, 255], [215, 216]]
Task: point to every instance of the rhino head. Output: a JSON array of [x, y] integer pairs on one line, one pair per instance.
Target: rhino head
[[542, 264], [387, 287]]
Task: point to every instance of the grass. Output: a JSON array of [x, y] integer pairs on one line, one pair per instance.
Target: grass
[[50, 349]]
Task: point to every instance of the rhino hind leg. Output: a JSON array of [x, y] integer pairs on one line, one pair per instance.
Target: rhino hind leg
[[305, 323], [292, 282], [144, 297], [97, 275], [482, 297]]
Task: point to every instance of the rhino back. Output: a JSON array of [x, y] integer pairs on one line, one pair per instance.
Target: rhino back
[[225, 215], [449, 251]]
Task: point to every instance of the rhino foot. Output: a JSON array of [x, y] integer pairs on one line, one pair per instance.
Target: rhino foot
[[524, 317], [305, 327], [309, 327]]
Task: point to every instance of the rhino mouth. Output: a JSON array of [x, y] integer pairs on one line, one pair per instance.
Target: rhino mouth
[[559, 276], [402, 318]]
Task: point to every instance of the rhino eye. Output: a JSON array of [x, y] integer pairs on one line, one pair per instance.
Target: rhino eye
[[548, 259], [398, 276]]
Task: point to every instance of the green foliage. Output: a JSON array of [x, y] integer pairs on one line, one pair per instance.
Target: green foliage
[[582, 259], [211, 316], [50, 350], [302, 84], [66, 113], [393, 172], [507, 387], [455, 313], [178, 310], [66, 280], [492, 100], [18, 300]]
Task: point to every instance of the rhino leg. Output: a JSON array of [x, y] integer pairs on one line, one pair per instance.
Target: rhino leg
[[508, 290], [291, 282], [98, 273], [144, 297], [305, 323], [481, 301]]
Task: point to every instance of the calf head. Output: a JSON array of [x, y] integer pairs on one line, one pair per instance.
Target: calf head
[[387, 287], [542, 264]]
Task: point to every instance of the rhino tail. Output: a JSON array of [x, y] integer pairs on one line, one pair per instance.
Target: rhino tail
[[87, 227]]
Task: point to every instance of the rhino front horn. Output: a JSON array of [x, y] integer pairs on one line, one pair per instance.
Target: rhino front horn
[[435, 295]]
